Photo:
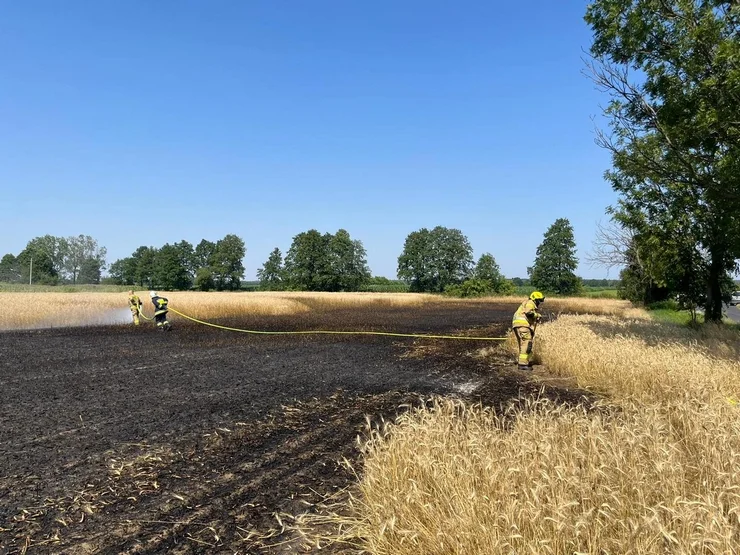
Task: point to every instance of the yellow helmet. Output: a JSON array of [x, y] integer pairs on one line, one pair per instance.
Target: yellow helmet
[[537, 297]]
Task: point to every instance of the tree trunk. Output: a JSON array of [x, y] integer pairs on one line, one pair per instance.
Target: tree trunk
[[713, 306]]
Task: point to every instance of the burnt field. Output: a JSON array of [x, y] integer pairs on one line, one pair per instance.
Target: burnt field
[[126, 440]]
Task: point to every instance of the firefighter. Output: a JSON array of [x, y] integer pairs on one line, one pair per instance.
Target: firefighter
[[524, 323], [134, 304], [160, 311]]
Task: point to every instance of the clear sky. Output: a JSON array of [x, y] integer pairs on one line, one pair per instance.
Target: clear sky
[[143, 123]]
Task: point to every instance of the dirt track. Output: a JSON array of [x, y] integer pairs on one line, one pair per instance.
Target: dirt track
[[124, 440]]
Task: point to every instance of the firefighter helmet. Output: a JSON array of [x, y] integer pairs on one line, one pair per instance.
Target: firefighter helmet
[[152, 294], [537, 297]]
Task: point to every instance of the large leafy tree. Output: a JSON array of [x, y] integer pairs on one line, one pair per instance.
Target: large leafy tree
[[44, 257], [488, 269], [271, 275], [202, 264], [123, 271], [672, 70], [328, 262], [83, 252], [348, 262], [144, 262], [10, 270], [433, 259], [226, 262], [555, 264], [307, 262], [171, 268]]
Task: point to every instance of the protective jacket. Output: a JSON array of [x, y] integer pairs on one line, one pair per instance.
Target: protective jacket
[[526, 315], [160, 305], [134, 302]]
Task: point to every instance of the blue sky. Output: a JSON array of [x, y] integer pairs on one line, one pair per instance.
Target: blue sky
[[142, 123]]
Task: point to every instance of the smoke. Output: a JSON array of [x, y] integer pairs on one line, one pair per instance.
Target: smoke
[[110, 317]]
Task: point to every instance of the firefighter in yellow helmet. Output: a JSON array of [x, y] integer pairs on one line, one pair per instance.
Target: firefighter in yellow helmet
[[524, 322], [134, 304]]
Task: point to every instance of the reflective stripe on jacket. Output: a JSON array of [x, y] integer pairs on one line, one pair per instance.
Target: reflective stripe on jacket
[[134, 301], [526, 315]]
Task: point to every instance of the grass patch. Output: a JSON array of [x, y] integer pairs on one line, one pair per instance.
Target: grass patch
[[676, 317]]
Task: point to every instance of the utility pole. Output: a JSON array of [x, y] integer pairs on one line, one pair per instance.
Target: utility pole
[[30, 272]]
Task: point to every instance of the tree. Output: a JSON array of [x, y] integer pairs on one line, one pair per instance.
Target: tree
[[432, 260], [123, 271], [204, 279], [203, 255], [556, 262], [83, 250], [611, 245], [226, 262], [487, 269], [44, 256], [10, 270], [271, 275], [638, 255], [307, 264], [348, 262], [90, 271], [672, 68], [328, 262], [187, 258], [144, 264], [171, 268]]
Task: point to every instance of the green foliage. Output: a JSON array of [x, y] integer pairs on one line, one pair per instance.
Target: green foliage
[[271, 275], [307, 262], [326, 262], [433, 260], [82, 251], [379, 284], [556, 262], [171, 268], [10, 270], [601, 283], [599, 293], [203, 254], [476, 287], [348, 262], [44, 258], [204, 279], [672, 69], [144, 263], [226, 263], [180, 266]]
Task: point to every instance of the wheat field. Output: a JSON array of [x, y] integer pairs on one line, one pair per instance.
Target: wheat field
[[44, 309], [653, 468]]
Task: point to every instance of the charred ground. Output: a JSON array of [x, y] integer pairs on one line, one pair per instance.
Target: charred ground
[[126, 440]]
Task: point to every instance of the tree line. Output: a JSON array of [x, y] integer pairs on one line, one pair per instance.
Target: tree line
[[51, 260], [438, 260], [181, 266]]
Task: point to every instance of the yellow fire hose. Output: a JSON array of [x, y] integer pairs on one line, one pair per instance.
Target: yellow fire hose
[[328, 332], [141, 313]]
